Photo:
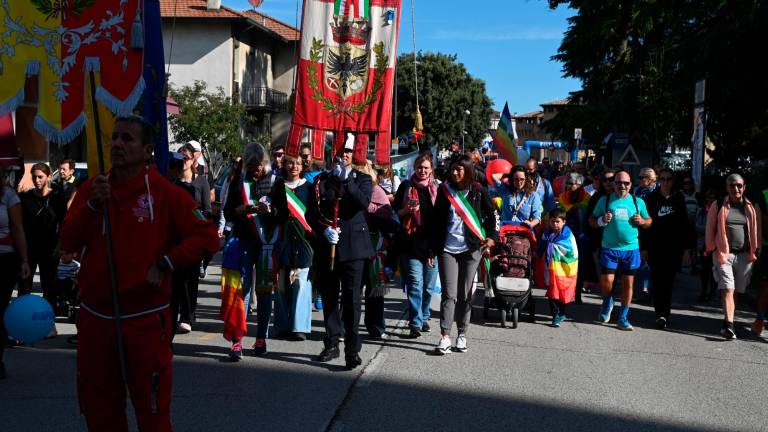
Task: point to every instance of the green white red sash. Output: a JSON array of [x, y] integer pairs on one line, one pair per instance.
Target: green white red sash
[[296, 208], [465, 211]]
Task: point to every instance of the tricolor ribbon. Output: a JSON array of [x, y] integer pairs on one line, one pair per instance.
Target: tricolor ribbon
[[297, 209]]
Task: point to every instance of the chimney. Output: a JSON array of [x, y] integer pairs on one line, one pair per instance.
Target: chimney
[[214, 4]]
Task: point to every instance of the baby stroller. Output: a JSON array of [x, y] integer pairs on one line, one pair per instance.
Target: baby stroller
[[512, 274]]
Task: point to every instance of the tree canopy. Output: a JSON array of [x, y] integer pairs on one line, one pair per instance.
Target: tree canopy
[[639, 62], [446, 91], [210, 118]]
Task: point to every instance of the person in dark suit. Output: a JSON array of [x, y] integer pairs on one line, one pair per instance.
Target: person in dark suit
[[350, 190]]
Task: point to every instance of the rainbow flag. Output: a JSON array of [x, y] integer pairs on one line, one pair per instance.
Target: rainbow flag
[[232, 305], [504, 139], [562, 262]]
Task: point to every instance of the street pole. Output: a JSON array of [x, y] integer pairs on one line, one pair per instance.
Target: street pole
[[463, 132]]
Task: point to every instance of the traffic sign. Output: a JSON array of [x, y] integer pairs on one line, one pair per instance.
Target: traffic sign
[[629, 157]]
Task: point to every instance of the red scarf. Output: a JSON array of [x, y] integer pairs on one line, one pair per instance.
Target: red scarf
[[412, 221]]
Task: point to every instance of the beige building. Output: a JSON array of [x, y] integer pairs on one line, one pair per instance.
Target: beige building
[[251, 56]]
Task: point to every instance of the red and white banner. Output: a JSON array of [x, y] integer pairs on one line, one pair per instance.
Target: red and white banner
[[345, 74]]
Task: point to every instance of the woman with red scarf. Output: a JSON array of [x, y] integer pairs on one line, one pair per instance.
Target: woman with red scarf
[[574, 201], [413, 203]]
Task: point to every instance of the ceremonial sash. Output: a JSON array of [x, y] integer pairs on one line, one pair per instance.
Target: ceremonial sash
[[296, 208], [468, 215], [465, 211]]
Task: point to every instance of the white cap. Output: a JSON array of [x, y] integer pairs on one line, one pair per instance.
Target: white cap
[[350, 143], [196, 145]]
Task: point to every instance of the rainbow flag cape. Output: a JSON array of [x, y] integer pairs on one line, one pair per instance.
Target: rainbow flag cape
[[562, 262], [504, 139], [232, 305]]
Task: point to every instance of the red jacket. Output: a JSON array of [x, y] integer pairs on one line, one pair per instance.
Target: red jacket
[[142, 234]]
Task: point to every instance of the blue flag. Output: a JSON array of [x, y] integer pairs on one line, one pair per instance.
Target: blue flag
[[154, 109]]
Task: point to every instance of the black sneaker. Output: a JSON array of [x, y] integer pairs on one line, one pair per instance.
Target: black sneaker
[[661, 323], [728, 332], [72, 340], [328, 354], [414, 333], [353, 360], [425, 327]]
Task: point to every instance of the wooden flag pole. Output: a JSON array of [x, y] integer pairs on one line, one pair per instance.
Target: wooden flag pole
[[108, 238]]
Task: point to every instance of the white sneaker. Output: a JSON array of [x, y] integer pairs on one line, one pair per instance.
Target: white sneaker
[[461, 343], [183, 328], [444, 346]]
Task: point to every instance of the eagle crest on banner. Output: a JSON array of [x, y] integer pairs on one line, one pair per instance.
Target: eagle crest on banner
[[347, 64]]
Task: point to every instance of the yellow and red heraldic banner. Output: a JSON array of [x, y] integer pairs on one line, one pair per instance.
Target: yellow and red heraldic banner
[[61, 42], [346, 74]]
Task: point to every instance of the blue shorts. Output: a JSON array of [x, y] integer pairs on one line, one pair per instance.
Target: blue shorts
[[625, 260]]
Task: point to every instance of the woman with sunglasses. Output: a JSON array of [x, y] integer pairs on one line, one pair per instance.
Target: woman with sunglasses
[[733, 234], [667, 241], [520, 204]]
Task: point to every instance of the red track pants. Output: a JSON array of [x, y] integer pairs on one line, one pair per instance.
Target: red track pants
[[147, 341]]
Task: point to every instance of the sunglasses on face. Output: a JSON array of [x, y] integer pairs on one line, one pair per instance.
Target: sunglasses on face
[[278, 154], [305, 156], [572, 184], [608, 179], [622, 183], [736, 185]]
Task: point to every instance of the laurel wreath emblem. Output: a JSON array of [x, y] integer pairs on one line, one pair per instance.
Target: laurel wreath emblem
[[340, 106]]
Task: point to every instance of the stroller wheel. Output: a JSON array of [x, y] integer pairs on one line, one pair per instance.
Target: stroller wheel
[[515, 316], [503, 317]]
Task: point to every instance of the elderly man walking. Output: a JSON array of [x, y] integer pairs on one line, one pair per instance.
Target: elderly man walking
[[621, 214], [733, 234]]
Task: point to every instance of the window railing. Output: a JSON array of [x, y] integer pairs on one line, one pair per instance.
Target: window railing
[[264, 97]]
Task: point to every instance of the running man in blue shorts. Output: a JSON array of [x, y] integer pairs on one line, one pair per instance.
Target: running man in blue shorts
[[620, 215]]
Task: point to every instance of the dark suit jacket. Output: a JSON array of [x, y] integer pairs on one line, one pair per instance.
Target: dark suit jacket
[[355, 193]]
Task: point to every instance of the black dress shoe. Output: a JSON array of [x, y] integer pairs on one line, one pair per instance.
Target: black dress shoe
[[353, 361], [425, 327], [414, 333], [328, 354]]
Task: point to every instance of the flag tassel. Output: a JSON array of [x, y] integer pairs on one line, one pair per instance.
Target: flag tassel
[[137, 32]]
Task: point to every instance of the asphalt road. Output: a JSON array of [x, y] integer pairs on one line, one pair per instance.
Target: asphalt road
[[583, 376]]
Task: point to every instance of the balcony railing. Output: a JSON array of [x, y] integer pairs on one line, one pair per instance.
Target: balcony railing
[[265, 98]]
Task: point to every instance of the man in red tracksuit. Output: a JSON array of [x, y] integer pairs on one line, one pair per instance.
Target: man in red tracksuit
[[155, 227]]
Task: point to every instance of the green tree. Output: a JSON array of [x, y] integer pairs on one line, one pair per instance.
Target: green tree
[[446, 90], [212, 119], [639, 61]]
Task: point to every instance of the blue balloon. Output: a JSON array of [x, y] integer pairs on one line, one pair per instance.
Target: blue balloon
[[29, 318]]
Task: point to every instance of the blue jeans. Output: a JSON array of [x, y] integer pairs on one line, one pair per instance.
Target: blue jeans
[[250, 253], [293, 303], [420, 280]]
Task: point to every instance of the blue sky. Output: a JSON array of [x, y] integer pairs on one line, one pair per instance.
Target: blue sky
[[506, 43]]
